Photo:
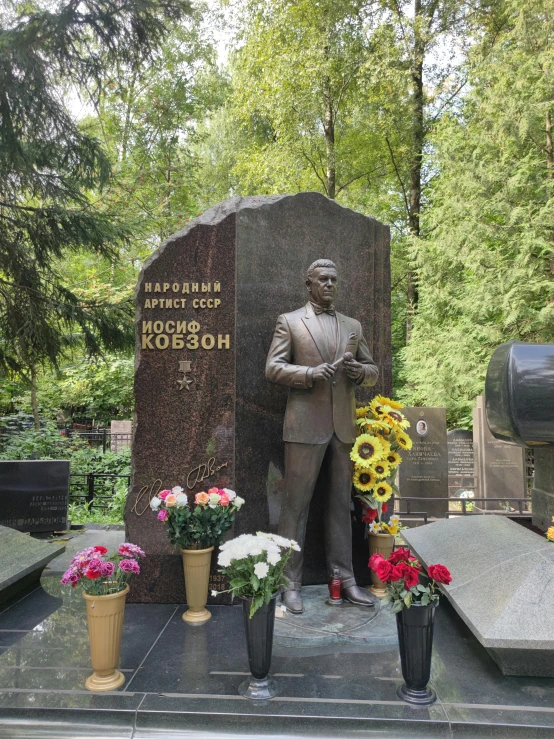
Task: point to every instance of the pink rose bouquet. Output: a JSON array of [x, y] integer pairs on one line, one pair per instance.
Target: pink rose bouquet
[[198, 523], [99, 575]]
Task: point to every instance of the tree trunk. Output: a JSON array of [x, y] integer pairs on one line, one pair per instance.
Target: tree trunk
[[34, 402], [418, 140], [329, 130]]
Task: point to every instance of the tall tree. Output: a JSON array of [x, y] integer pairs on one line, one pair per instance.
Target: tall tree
[[295, 83], [149, 119], [486, 267], [49, 169]]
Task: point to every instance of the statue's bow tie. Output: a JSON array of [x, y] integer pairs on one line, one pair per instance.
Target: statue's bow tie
[[319, 309]]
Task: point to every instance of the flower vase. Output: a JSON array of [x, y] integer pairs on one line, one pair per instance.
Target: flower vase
[[196, 566], [382, 544], [105, 623], [415, 640], [259, 639]]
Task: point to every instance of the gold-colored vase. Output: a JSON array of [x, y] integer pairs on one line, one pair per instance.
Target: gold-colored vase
[[105, 624], [196, 565], [380, 544]]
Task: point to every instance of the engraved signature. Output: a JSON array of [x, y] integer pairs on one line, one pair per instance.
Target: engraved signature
[[203, 471], [151, 491]]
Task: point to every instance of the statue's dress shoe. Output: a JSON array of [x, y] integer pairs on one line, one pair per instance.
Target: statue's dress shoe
[[293, 601], [359, 596]]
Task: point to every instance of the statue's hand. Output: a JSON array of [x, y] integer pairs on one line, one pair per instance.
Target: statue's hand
[[354, 369], [323, 372]]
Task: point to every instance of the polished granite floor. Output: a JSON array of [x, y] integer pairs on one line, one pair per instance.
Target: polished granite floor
[[182, 681]]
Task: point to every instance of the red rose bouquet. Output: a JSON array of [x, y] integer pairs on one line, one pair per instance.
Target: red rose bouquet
[[406, 584]]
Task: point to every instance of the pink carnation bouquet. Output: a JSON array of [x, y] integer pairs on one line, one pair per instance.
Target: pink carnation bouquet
[[98, 574]]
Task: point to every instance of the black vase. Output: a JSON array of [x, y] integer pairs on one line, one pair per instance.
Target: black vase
[[259, 639], [415, 639]]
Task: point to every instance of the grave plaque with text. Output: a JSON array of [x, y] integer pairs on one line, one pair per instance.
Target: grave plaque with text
[[207, 303], [500, 466], [424, 469], [34, 495], [461, 465]]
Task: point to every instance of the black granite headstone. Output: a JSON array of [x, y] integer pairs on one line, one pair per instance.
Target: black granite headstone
[[424, 469], [34, 494]]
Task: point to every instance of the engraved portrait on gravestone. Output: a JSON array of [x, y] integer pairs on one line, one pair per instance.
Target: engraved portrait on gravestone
[[321, 356]]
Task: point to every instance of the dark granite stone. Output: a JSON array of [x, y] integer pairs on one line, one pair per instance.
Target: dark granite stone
[[34, 494], [500, 466], [424, 469], [22, 560], [258, 249]]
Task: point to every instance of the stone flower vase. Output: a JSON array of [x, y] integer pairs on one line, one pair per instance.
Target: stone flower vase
[[105, 623], [380, 544], [415, 640], [196, 566], [259, 640]]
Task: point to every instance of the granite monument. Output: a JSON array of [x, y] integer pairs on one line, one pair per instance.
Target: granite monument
[[34, 494], [502, 586], [207, 301], [499, 465], [461, 464], [424, 469]]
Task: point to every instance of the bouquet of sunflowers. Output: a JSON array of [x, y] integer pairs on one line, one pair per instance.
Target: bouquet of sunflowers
[[382, 435]]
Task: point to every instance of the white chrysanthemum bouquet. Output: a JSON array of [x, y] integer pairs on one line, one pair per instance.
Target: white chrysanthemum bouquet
[[255, 565]]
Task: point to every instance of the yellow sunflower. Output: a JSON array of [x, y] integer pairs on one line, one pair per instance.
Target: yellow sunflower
[[550, 534], [382, 492], [366, 450], [393, 530], [377, 403], [364, 480], [394, 417], [379, 427], [362, 412], [394, 459], [385, 443], [403, 440], [381, 469]]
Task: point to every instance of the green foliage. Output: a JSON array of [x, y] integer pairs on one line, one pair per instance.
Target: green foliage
[[104, 387], [49, 168], [48, 443], [485, 270]]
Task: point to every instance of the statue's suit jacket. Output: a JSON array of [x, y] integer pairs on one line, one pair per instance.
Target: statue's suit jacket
[[316, 410]]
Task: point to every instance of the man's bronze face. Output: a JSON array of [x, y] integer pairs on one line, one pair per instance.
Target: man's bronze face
[[323, 285]]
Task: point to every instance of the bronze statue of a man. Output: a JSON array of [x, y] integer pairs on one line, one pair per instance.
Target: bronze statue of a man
[[320, 355]]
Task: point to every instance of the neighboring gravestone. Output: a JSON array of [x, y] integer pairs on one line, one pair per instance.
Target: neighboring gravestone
[[34, 495], [502, 586], [499, 465], [424, 469], [120, 435], [22, 560], [461, 465], [207, 303]]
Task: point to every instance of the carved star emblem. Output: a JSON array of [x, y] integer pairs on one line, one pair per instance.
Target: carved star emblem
[[185, 382]]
